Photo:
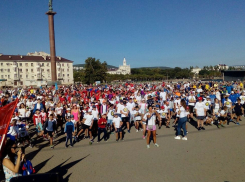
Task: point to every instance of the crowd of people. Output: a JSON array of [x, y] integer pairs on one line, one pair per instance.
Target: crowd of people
[[84, 112]]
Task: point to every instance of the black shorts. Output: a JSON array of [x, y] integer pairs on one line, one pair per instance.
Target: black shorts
[[191, 108], [239, 113], [125, 119], [164, 119], [200, 117], [86, 127], [222, 118], [50, 133], [119, 130]]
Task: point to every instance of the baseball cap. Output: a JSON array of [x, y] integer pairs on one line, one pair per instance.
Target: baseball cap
[[199, 98], [232, 92]]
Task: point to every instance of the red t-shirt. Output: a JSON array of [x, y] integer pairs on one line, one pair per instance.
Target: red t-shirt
[[102, 120]]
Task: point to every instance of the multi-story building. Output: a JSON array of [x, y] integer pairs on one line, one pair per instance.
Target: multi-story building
[[122, 70], [33, 69], [222, 67]]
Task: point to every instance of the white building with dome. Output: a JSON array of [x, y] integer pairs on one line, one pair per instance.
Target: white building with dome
[[122, 70]]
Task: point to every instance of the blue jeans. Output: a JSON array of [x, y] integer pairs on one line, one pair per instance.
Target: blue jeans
[[182, 124], [69, 137]]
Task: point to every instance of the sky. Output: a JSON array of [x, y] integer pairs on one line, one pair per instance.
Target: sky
[[174, 33]]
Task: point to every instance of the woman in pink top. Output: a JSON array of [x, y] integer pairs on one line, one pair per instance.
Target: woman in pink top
[[75, 113]]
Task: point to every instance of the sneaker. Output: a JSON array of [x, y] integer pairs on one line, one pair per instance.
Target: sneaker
[[148, 146], [52, 146], [186, 131], [199, 129], [75, 138], [222, 125], [137, 131], [159, 127], [156, 145], [30, 146], [66, 146], [141, 129], [18, 144], [98, 142], [218, 126], [116, 140], [237, 123], [177, 137], [202, 128], [167, 126], [143, 137], [184, 138], [128, 131], [121, 140]]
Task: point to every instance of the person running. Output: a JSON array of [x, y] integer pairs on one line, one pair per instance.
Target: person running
[[182, 120], [87, 125], [150, 116]]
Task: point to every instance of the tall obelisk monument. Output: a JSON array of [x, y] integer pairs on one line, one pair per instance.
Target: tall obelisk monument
[[51, 14]]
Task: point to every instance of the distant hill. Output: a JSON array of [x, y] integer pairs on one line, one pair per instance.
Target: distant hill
[[160, 67], [82, 65]]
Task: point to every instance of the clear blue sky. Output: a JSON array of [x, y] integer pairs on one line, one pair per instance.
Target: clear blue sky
[[147, 32]]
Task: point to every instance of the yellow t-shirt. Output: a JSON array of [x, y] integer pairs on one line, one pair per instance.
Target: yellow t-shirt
[[241, 85]]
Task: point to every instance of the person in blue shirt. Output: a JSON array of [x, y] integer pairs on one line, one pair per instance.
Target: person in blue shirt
[[38, 106], [69, 130], [49, 128], [233, 98], [229, 88], [237, 95]]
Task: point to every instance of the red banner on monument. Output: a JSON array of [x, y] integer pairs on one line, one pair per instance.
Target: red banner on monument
[[6, 114]]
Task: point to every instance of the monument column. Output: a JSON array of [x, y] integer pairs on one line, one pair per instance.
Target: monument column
[[51, 14]]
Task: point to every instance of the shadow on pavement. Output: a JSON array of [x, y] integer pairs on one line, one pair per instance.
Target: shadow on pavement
[[41, 165], [62, 169]]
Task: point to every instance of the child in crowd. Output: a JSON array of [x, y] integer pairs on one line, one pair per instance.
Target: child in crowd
[[69, 131]]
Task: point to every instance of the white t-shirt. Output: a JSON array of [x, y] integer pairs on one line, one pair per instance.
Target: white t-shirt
[[242, 97], [117, 121], [228, 103], [200, 108], [162, 113], [191, 98], [151, 120], [22, 113], [110, 114], [119, 108], [95, 114], [137, 118], [177, 102], [59, 110], [89, 118], [207, 104], [130, 106], [163, 95], [182, 112], [124, 110]]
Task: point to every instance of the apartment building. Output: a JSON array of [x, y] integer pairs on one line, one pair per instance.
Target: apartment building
[[34, 69]]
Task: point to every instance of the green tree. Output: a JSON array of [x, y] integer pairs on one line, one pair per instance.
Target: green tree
[[94, 70]]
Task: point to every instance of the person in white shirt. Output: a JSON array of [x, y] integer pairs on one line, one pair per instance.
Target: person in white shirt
[[163, 95], [87, 125], [117, 121], [137, 117], [182, 120], [150, 116], [125, 115], [130, 106], [191, 104], [119, 107], [222, 117], [200, 113], [207, 103]]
